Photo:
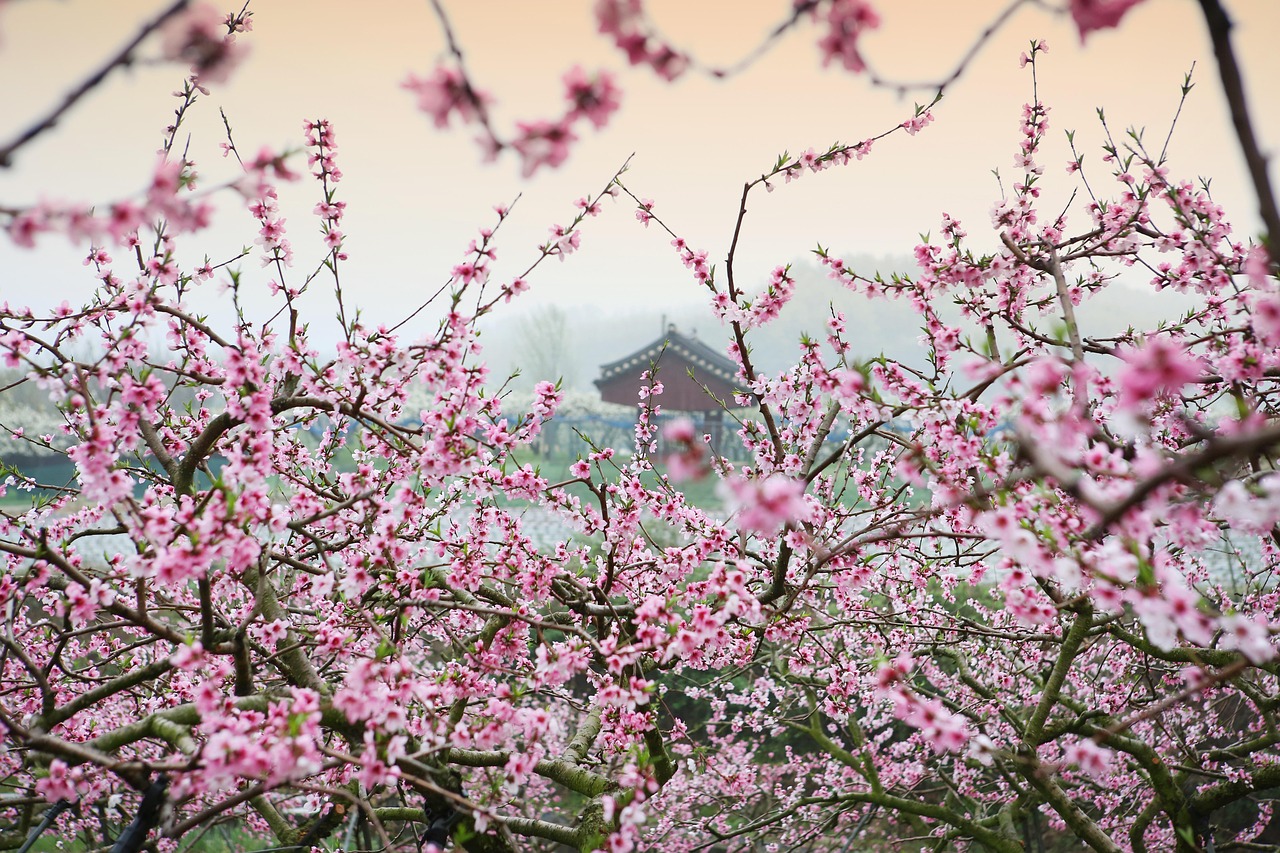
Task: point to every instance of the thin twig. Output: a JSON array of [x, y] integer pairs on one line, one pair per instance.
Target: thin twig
[[124, 57]]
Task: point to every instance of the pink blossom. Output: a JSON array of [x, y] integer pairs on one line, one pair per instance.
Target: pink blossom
[[943, 730], [594, 98], [83, 603], [688, 459], [239, 23], [564, 242], [1266, 317], [1161, 365], [1091, 15], [546, 398], [764, 506], [199, 37], [62, 783], [1257, 266], [24, 227], [445, 93], [514, 289], [918, 123], [644, 212], [846, 20], [623, 21], [1249, 635], [679, 431], [1093, 760], [466, 272], [519, 767], [276, 163], [542, 143], [904, 549], [189, 656]]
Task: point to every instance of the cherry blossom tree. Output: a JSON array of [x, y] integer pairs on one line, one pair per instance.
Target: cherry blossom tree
[[1022, 597]]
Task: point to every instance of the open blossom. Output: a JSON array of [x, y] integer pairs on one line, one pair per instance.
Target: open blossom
[[1248, 635], [24, 227], [764, 506], [949, 582], [1091, 15], [446, 93], [919, 123], [1039, 47], [1247, 512], [1159, 366], [1257, 265], [83, 603], [623, 21], [189, 656], [1266, 317], [564, 242], [514, 289], [644, 213], [941, 729], [62, 783], [542, 143], [199, 37], [1093, 760], [679, 431], [846, 21], [594, 98], [467, 272], [687, 459], [546, 398]]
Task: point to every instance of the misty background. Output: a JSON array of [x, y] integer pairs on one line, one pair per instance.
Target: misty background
[[570, 339]]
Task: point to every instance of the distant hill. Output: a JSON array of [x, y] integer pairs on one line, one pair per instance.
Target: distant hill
[[596, 334]]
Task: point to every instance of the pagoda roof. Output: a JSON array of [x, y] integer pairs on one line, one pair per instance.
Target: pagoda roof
[[703, 358]]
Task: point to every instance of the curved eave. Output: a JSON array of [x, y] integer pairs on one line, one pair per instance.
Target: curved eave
[[721, 368]]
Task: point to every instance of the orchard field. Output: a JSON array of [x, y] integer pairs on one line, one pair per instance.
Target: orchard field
[[302, 552]]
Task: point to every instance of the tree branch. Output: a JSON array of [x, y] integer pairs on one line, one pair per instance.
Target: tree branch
[[1233, 88], [124, 57]]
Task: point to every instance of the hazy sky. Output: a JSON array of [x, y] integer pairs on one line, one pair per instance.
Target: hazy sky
[[416, 196]]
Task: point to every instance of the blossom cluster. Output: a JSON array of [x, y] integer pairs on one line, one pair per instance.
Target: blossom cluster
[[1021, 587], [447, 93]]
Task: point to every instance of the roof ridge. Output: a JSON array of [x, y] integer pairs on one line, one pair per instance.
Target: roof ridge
[[690, 348]]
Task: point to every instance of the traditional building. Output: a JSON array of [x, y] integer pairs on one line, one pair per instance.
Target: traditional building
[[696, 379]]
